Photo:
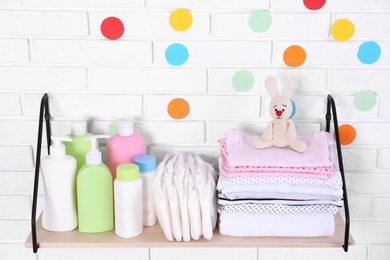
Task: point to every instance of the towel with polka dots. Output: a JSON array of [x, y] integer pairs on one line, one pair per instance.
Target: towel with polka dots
[[277, 208], [281, 187]]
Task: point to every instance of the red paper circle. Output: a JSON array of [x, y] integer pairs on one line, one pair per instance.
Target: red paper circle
[[112, 28], [314, 4]]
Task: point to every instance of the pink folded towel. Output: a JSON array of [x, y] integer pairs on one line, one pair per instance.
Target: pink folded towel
[[239, 157]]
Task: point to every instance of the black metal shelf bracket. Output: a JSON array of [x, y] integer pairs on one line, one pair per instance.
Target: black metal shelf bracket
[[331, 106], [43, 114]]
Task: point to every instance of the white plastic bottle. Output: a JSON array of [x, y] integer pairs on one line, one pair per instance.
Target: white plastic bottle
[[59, 181], [128, 201], [147, 169]]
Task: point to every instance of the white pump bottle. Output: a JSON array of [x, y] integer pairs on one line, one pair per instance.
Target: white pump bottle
[[59, 181]]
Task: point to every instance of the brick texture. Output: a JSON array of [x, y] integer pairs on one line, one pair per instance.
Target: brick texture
[[57, 47]]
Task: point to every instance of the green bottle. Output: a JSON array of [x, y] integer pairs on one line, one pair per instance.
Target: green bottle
[[79, 146], [94, 193]]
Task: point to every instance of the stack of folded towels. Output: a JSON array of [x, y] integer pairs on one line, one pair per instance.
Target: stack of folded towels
[[277, 191]]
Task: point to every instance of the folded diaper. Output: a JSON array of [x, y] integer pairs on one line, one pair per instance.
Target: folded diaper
[[206, 188], [193, 200], [161, 200], [173, 199], [181, 184]]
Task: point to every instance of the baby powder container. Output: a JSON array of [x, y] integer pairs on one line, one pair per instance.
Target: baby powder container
[[128, 201], [59, 176], [94, 193], [79, 146], [123, 147], [147, 169]]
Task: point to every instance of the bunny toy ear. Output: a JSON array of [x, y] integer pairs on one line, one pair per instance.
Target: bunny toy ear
[[288, 88], [271, 85]]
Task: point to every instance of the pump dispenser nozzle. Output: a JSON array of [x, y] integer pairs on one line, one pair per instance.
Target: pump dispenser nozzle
[[57, 149], [94, 156]]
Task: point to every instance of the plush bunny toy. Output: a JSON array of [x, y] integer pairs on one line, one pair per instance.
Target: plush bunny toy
[[281, 131]]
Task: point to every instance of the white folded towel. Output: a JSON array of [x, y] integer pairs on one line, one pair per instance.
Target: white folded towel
[[287, 225]]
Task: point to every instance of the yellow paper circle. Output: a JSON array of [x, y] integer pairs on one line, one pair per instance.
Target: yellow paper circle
[[180, 20], [342, 30]]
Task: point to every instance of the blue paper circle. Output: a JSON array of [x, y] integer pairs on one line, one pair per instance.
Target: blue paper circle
[[294, 109], [176, 54], [369, 52]]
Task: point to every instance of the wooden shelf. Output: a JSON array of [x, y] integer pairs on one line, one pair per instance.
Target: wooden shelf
[[154, 237]]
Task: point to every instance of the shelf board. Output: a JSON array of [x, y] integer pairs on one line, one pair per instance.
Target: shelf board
[[154, 237]]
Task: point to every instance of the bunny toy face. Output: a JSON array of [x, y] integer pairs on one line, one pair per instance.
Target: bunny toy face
[[280, 107]]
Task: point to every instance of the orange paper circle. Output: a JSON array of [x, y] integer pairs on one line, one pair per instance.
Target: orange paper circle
[[347, 134], [178, 108], [294, 56]]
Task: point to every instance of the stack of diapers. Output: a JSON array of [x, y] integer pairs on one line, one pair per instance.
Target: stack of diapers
[[277, 191], [185, 197]]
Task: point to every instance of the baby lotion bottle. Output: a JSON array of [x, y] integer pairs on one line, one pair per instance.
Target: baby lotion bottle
[[147, 169], [123, 147], [59, 178], [128, 201], [79, 146], [94, 192]]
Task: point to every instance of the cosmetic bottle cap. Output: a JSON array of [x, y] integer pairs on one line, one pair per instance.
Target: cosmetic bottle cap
[[127, 172], [125, 128]]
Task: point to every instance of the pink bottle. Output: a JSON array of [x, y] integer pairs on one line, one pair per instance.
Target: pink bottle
[[123, 147]]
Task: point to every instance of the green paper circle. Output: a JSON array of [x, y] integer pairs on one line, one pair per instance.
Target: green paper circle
[[365, 100], [113, 128], [260, 21], [243, 81]]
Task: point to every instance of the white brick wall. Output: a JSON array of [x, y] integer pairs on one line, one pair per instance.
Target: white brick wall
[[14, 50], [310, 25], [219, 53], [91, 52], [151, 24], [57, 47], [36, 78], [203, 253], [43, 23], [311, 80], [10, 104], [153, 80]]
